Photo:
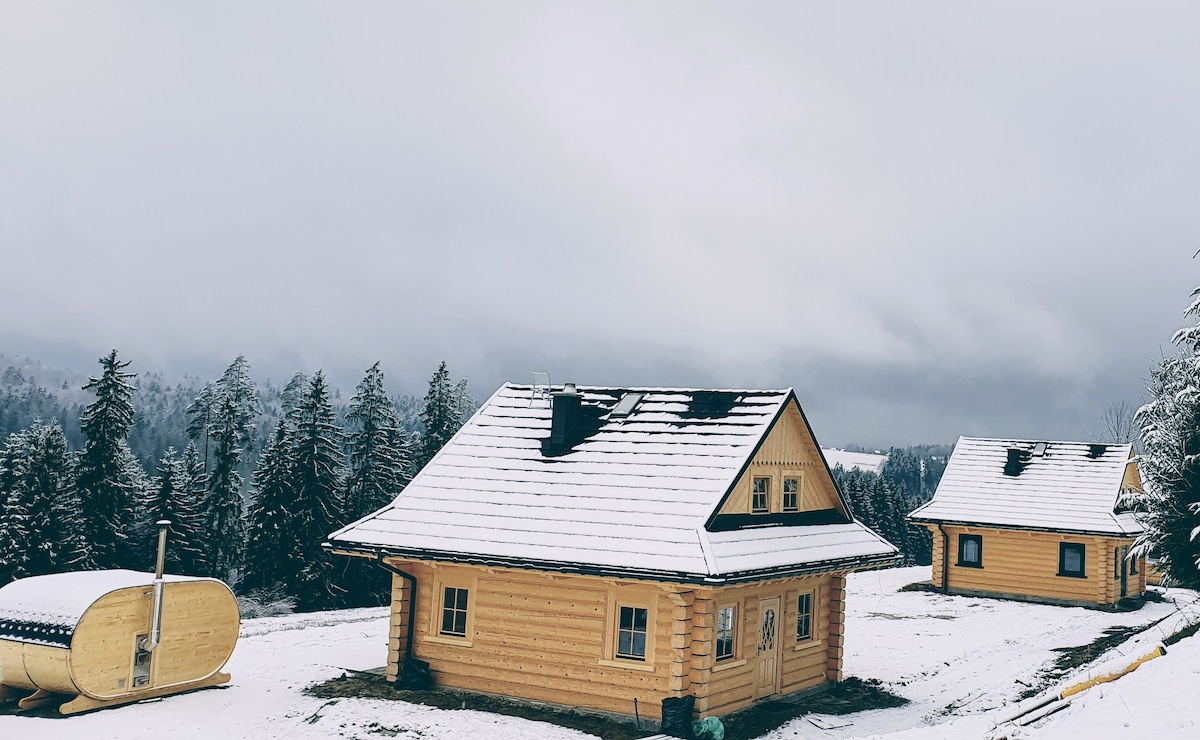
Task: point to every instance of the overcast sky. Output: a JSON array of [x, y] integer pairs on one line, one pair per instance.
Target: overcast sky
[[931, 219]]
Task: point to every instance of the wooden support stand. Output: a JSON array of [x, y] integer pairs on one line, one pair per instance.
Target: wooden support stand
[[39, 698], [87, 704]]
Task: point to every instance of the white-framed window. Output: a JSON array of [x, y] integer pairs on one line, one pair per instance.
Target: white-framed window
[[804, 617], [760, 496], [726, 633], [791, 494]]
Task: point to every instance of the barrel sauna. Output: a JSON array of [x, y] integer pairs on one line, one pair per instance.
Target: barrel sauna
[[96, 639]]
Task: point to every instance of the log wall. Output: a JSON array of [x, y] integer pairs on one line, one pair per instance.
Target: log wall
[[550, 637], [1024, 564]]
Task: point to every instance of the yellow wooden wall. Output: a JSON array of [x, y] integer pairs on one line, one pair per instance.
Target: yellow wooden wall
[[1022, 563], [788, 450], [547, 637]]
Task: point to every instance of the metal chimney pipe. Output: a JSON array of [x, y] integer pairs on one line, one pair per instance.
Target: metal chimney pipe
[[156, 615]]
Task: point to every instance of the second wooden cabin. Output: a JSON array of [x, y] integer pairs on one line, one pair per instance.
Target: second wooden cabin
[[1036, 521]]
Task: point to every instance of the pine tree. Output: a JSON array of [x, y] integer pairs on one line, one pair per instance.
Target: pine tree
[[378, 472], [169, 498], [39, 519], [272, 556], [441, 416], [199, 413], [1170, 465], [316, 509], [231, 428], [107, 472], [15, 535], [378, 457], [55, 514]]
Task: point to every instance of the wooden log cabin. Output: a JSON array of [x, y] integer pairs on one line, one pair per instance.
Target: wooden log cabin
[[593, 547], [1036, 521]]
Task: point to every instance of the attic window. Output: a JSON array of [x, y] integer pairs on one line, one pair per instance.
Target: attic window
[[625, 406], [759, 501]]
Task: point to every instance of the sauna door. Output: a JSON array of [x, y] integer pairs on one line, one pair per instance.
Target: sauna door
[[769, 622]]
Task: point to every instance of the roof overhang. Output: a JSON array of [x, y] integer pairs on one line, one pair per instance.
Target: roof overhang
[[642, 574], [1054, 530]]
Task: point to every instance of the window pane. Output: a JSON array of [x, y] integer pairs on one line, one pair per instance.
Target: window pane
[[1072, 562], [624, 643], [971, 551], [447, 621], [760, 485], [639, 619], [460, 622], [448, 598], [626, 617], [790, 485], [462, 598], [639, 644]]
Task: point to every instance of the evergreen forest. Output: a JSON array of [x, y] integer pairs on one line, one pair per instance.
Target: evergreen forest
[[252, 477]]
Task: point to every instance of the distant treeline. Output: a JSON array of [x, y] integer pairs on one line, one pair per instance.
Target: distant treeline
[[253, 479], [881, 500]]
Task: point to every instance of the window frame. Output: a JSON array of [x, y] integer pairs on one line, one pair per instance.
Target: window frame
[[766, 494], [733, 634], [965, 539], [807, 619], [443, 580], [632, 597], [784, 492], [1063, 549]]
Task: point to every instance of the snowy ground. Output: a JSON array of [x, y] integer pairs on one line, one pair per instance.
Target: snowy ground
[[959, 660]]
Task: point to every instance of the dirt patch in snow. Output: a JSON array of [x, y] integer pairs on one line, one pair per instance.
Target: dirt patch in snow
[[1070, 658], [369, 686], [851, 695]]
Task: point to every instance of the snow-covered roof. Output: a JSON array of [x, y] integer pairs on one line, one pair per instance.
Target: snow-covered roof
[[1056, 486], [45, 609], [866, 461], [631, 494]]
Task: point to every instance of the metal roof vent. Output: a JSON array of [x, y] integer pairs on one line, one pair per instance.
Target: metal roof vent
[[1039, 449]]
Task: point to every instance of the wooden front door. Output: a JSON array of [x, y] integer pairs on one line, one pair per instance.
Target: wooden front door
[[769, 623]]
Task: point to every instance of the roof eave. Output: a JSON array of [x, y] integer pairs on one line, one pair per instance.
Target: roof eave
[[1115, 532], [643, 574]]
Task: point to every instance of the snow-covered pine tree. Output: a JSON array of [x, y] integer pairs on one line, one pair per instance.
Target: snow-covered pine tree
[[191, 488], [15, 535], [1170, 463], [441, 417], [378, 458], [378, 472], [55, 511], [464, 404], [168, 498], [271, 548], [199, 413], [231, 427], [106, 476], [317, 507]]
